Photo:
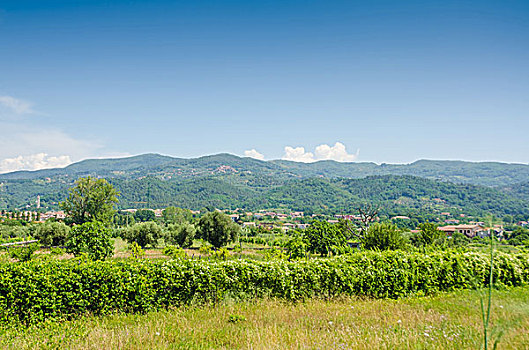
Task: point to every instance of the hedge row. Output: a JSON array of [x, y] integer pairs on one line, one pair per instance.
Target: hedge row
[[37, 290]]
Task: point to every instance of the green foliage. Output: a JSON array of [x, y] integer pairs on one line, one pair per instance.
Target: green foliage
[[274, 254], [91, 239], [384, 236], [411, 189], [174, 215], [57, 251], [39, 290], [236, 318], [296, 247], [24, 253], [13, 231], [205, 250], [459, 239], [180, 234], [322, 237], [218, 229], [144, 215], [429, 234], [52, 233], [135, 251], [221, 254], [174, 252], [144, 233], [90, 199]]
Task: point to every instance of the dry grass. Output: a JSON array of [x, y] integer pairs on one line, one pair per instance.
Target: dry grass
[[449, 321]]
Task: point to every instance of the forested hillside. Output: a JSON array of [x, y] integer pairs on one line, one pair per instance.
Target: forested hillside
[[256, 171], [395, 194]]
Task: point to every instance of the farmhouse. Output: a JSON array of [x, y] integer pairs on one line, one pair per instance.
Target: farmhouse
[[468, 230]]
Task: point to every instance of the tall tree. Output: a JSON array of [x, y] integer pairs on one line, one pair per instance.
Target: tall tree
[[89, 200], [217, 228], [323, 237], [174, 215]]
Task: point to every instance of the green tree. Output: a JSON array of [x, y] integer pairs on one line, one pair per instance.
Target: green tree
[[459, 239], [174, 215], [384, 236], [429, 234], [323, 237], [144, 215], [217, 228], [90, 199], [181, 234], [91, 238], [296, 247], [52, 234], [144, 233]]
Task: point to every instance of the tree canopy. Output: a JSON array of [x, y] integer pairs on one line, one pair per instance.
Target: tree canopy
[[217, 228], [90, 199]]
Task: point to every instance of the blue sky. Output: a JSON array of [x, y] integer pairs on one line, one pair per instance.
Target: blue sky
[[389, 81]]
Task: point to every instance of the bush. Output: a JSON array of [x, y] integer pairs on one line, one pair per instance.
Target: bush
[[13, 231], [52, 234], [144, 233], [180, 234], [136, 252], [296, 248], [39, 289], [144, 215], [174, 252], [91, 239], [23, 253], [384, 237]]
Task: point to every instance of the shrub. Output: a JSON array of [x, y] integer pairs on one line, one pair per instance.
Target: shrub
[[52, 234], [221, 254], [23, 253], [144, 233], [39, 289], [91, 239], [144, 215], [174, 252], [430, 235], [13, 231], [135, 251], [384, 237], [180, 234]]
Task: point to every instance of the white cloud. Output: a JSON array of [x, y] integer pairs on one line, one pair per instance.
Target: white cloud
[[253, 154], [33, 162], [16, 105], [298, 154], [337, 152]]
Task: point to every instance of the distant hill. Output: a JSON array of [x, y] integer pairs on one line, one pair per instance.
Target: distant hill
[[481, 173], [228, 181]]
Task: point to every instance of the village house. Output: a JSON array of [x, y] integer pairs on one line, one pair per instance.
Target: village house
[[287, 226], [468, 230]]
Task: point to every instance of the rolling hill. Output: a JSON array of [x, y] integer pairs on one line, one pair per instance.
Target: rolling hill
[[228, 181]]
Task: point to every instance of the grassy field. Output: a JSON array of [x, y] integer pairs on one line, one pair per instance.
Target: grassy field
[[448, 321]]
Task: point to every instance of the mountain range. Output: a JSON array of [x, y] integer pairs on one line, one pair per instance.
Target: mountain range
[[228, 181]]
